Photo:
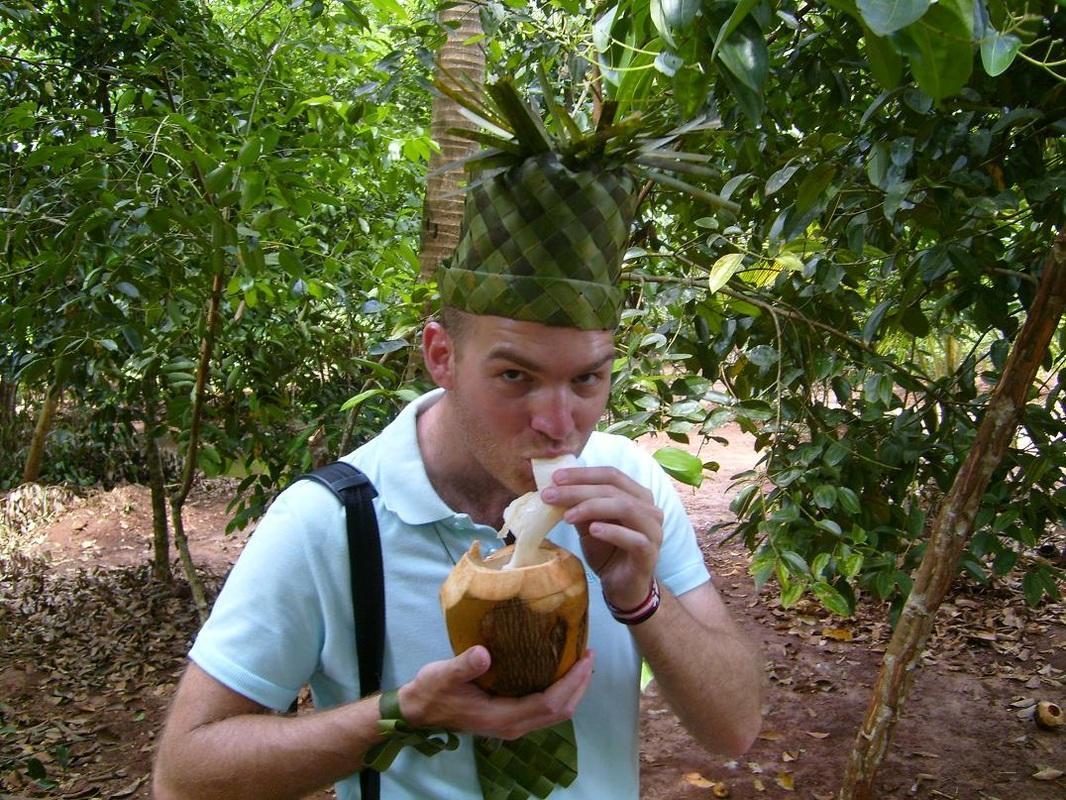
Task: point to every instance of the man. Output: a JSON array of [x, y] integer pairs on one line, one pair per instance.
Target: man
[[523, 356]]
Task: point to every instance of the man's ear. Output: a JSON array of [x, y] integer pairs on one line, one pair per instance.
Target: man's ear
[[438, 354]]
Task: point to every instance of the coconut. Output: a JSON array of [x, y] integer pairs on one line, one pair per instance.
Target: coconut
[[533, 619]]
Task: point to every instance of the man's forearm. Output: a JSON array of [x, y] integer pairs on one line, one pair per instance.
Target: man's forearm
[[265, 756], [710, 675]]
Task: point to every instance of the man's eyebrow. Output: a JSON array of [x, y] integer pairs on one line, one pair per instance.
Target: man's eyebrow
[[505, 353]]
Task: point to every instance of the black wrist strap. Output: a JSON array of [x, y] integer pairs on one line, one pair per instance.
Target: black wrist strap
[[355, 492]]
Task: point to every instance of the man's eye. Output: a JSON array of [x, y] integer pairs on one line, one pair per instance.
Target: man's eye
[[589, 379], [512, 375]]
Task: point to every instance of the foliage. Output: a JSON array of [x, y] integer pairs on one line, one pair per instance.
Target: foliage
[[150, 149], [872, 216], [897, 169]]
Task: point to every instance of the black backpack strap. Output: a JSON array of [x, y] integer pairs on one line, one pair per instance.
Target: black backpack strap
[[356, 492]]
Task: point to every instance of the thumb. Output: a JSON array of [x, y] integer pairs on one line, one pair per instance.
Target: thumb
[[471, 663]]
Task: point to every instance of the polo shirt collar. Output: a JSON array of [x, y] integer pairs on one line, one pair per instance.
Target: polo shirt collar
[[402, 481]]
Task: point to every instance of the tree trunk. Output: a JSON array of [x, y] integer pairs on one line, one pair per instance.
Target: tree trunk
[[953, 527], [443, 208], [8, 395], [32, 470], [157, 483], [177, 499]]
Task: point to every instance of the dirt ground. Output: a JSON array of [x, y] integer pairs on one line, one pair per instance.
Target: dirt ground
[[92, 648]]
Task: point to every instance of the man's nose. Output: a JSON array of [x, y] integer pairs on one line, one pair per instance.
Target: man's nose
[[552, 414]]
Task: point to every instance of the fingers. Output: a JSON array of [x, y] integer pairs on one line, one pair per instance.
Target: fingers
[[470, 664], [555, 704], [442, 695], [606, 502], [600, 476]]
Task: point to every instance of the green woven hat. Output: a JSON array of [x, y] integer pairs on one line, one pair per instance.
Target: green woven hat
[[543, 243], [548, 214]]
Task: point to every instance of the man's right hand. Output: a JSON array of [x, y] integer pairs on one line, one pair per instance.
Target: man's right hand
[[443, 695]]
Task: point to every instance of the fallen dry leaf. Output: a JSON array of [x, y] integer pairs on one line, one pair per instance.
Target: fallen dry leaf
[[786, 781], [758, 785], [771, 736], [126, 791], [840, 634], [698, 780], [1048, 774], [817, 735]]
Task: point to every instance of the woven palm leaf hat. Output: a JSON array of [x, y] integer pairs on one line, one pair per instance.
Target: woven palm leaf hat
[[545, 228], [547, 215]]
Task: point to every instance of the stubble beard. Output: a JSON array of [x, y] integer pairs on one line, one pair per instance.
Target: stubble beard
[[495, 460]]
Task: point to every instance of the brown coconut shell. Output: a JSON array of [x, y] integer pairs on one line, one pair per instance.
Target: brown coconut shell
[[533, 620]]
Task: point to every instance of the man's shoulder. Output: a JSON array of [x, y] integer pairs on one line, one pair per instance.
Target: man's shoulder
[[615, 450]]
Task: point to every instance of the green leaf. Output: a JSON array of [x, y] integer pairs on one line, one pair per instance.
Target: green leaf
[[939, 47], [849, 501], [829, 526], [359, 399], [851, 564], [740, 11], [128, 289], [885, 62], [888, 16], [821, 561], [319, 100], [797, 565], [724, 269], [601, 31], [218, 179], [788, 261], [874, 322], [673, 16], [35, 769], [646, 675], [915, 322], [812, 189], [998, 52], [791, 594], [746, 56], [680, 465], [780, 178], [249, 152], [1033, 588], [763, 356], [825, 496], [832, 599]]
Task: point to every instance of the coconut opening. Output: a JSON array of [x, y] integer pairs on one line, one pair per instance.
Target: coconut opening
[[501, 558]]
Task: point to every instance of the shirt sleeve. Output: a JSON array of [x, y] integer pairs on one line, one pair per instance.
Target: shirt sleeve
[[265, 634], [681, 566]]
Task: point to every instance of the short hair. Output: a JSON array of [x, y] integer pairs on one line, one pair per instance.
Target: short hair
[[455, 321]]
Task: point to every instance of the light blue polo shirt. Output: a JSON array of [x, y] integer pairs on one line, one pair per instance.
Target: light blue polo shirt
[[284, 616]]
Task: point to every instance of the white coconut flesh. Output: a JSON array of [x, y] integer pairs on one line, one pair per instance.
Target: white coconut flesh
[[529, 518]]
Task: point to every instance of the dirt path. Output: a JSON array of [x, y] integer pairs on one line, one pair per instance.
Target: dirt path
[[92, 650]]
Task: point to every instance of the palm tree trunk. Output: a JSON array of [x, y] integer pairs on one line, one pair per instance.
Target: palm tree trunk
[[443, 208], [953, 527]]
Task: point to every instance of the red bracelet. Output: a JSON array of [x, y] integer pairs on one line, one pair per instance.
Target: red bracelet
[[635, 616]]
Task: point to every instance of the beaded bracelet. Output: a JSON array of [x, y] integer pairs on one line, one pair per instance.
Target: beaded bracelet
[[642, 612]]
